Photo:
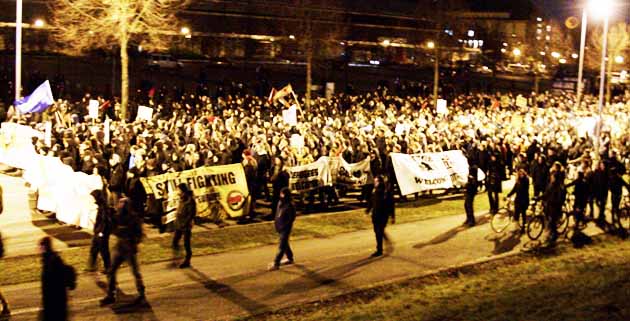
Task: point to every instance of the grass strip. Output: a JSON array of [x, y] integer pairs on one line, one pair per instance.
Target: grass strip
[[28, 268], [591, 283]]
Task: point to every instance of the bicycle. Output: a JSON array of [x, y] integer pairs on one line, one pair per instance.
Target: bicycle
[[503, 217], [537, 224], [624, 212]]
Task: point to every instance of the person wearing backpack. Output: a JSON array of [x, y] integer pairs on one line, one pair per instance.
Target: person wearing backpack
[[128, 231], [57, 278], [102, 230]]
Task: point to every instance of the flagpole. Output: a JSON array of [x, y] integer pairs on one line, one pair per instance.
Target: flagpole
[[18, 48]]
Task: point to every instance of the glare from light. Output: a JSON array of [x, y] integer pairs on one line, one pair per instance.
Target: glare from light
[[503, 50], [471, 33], [430, 44], [555, 54], [619, 59], [574, 55], [39, 23], [542, 53], [516, 52], [600, 8], [539, 19], [505, 44], [184, 30], [386, 42], [292, 37], [562, 61]]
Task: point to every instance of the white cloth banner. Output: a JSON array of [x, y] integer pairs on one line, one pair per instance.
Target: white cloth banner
[[311, 176], [420, 172], [351, 174]]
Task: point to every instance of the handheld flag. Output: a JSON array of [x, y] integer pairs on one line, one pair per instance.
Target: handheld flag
[[38, 101]]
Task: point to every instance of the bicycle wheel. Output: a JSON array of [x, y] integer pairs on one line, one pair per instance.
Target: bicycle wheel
[[535, 227], [624, 218], [501, 220]]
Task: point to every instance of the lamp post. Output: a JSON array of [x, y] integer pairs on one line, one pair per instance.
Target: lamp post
[[18, 48], [580, 85]]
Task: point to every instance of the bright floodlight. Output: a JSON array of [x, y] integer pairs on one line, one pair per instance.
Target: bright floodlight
[[574, 55], [292, 37], [516, 52], [619, 59], [555, 54], [562, 61], [600, 8], [386, 42], [39, 23], [185, 30], [430, 44]]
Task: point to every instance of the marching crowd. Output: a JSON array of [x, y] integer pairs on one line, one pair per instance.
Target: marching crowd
[[188, 131]]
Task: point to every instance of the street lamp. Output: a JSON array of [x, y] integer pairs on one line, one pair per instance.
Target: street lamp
[[619, 59], [430, 44], [184, 30], [39, 23], [516, 52], [555, 54]]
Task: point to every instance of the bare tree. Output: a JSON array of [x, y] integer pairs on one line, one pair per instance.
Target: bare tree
[[618, 43], [83, 25]]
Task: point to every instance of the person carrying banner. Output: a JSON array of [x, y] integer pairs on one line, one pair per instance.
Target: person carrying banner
[[128, 231], [283, 222], [382, 207], [186, 212], [102, 230]]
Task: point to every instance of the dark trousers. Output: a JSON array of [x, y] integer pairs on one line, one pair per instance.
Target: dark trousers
[[520, 210], [125, 252], [284, 248], [590, 202], [493, 199], [600, 200], [100, 245], [615, 200], [379, 233], [468, 206], [187, 235]]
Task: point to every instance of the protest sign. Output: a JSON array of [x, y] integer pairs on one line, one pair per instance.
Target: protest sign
[[441, 107], [144, 113], [505, 101], [420, 172], [521, 101], [297, 141], [93, 109], [290, 115], [106, 131], [216, 188]]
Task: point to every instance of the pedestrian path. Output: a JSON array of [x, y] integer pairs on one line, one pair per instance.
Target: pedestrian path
[[233, 284]]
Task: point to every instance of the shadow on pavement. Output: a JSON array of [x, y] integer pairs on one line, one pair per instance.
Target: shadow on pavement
[[67, 234], [505, 242], [226, 291], [444, 237]]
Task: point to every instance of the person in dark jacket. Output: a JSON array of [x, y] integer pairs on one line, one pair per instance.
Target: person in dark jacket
[[553, 200], [102, 230], [580, 192], [54, 283], [279, 180], [284, 218], [540, 174], [616, 170], [471, 191], [128, 231], [600, 191], [250, 167], [521, 202], [186, 212], [493, 183], [382, 207]]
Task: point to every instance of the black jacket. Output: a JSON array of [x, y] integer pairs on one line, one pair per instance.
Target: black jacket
[[54, 293], [540, 174], [285, 216], [186, 212], [521, 189], [381, 204], [103, 224]]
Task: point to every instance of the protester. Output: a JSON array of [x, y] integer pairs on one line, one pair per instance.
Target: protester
[[382, 207], [128, 231], [521, 201], [471, 191], [279, 180], [284, 218], [56, 278], [102, 230], [553, 200], [186, 212]]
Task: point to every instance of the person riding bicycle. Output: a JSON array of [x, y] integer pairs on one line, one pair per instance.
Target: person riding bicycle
[[521, 202]]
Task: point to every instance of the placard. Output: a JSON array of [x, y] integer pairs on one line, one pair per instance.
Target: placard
[[144, 113]]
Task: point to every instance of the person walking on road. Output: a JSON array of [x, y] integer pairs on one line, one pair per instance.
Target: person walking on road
[[128, 231], [521, 202], [102, 230], [56, 278], [285, 216], [471, 191], [279, 180], [382, 207], [186, 212]]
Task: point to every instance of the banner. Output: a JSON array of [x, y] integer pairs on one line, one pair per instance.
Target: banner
[[420, 172], [216, 188], [307, 177], [355, 174]]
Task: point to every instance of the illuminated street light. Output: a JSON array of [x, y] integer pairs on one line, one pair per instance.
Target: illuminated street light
[[542, 53], [471, 33], [292, 37], [39, 23], [619, 59], [503, 50], [600, 8], [574, 55], [505, 44], [555, 54], [386, 42], [185, 31], [516, 52], [562, 61], [430, 44]]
